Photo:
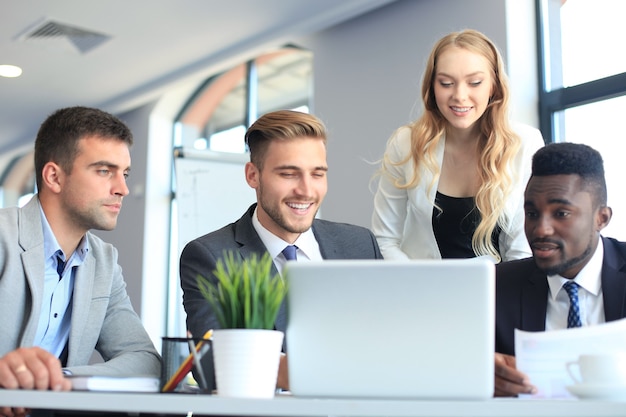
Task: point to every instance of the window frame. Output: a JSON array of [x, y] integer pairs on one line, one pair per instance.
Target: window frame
[[553, 101]]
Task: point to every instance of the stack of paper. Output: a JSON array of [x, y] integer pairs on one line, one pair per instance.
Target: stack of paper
[[543, 355]]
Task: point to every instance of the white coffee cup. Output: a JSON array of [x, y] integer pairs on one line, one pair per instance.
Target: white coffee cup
[[606, 368]]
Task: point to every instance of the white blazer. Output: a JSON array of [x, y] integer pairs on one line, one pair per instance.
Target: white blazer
[[402, 219]]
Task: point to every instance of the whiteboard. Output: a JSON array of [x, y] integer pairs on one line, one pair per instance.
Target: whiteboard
[[211, 191]]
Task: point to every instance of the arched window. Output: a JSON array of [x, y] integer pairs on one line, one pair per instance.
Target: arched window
[[218, 114], [17, 182]]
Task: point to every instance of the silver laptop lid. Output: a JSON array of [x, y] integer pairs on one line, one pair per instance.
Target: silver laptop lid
[[391, 329]]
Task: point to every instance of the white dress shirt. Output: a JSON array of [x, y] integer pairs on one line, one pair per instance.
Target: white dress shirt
[[308, 248], [589, 295]]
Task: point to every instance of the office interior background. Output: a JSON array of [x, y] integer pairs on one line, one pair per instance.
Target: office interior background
[[355, 64]]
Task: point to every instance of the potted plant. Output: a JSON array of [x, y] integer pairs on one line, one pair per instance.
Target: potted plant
[[246, 299]]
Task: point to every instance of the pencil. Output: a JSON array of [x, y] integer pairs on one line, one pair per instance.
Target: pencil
[[186, 366]]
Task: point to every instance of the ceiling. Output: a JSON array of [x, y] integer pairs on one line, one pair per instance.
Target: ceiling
[[119, 54]]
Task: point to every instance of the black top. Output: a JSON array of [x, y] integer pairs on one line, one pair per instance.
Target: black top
[[455, 226]]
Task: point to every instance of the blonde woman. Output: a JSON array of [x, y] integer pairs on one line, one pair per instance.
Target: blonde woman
[[452, 182]]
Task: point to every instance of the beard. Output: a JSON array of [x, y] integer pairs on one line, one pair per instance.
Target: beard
[[273, 211], [90, 217], [566, 264]]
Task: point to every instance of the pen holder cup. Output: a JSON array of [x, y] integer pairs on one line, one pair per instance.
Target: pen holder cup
[[187, 365]]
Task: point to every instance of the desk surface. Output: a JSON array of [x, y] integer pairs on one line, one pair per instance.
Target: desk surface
[[293, 407]]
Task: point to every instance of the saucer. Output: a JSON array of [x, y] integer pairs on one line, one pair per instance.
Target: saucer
[[598, 391]]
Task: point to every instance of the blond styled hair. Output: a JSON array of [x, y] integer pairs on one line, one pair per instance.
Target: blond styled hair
[[280, 125], [498, 144]]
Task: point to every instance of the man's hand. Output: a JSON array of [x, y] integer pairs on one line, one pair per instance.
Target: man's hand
[[31, 368], [509, 382], [283, 373]]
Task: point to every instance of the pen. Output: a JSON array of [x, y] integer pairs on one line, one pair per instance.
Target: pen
[[196, 362], [186, 366]]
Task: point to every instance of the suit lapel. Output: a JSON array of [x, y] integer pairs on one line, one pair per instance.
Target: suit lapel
[[247, 238], [534, 300], [249, 243], [81, 301], [31, 241], [613, 282], [328, 247]]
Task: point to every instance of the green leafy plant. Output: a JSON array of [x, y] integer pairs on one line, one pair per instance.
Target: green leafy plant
[[247, 295]]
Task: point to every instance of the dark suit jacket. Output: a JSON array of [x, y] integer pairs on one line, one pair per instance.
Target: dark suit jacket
[[522, 294], [336, 241]]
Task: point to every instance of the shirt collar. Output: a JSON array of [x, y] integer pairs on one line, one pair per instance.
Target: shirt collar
[[588, 278], [306, 242], [51, 246]]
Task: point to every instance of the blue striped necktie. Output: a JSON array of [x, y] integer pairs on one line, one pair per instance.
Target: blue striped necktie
[[290, 252], [573, 316]]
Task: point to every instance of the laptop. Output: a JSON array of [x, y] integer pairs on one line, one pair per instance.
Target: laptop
[[421, 329]]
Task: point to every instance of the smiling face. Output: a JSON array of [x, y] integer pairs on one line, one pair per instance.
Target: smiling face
[[562, 223], [462, 86], [291, 186], [91, 194]]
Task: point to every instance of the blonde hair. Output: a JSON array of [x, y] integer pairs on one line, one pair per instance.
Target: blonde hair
[[281, 125], [498, 144]]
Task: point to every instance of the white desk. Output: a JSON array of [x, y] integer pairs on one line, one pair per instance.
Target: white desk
[[294, 407]]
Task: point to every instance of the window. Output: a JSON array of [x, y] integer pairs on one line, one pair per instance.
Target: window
[[218, 114], [17, 180], [583, 94]]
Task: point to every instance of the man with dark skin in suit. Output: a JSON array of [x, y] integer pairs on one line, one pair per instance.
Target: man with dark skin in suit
[[566, 209]]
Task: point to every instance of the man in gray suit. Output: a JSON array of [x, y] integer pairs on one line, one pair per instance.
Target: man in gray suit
[[62, 293], [287, 169]]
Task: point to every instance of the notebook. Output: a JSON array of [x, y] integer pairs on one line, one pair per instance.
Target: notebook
[[391, 329], [114, 383]]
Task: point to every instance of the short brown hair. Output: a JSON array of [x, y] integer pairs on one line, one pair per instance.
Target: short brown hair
[[281, 125], [58, 136]]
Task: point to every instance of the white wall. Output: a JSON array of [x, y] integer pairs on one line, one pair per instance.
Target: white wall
[[367, 78]]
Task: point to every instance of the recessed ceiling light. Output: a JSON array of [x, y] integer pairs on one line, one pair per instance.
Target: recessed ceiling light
[[10, 71]]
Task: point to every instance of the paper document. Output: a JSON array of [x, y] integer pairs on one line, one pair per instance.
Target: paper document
[[543, 355], [114, 384]]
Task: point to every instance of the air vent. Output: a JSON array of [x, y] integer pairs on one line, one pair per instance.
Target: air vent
[[48, 30]]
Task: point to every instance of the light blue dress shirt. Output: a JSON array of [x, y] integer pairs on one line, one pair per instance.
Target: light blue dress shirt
[[56, 307]]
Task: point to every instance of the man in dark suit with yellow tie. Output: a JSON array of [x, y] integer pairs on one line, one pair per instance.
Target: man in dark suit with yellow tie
[[576, 277], [288, 170]]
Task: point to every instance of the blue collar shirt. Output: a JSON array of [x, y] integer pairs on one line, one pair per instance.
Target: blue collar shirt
[[56, 308]]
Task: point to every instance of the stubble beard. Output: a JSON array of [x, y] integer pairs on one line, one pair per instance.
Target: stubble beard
[[274, 213], [567, 263], [91, 219]]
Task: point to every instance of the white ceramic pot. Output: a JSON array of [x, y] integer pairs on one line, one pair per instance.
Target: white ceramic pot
[[246, 362]]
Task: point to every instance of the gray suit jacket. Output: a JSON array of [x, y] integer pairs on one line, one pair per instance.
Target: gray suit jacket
[[102, 315], [199, 257], [522, 294]]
